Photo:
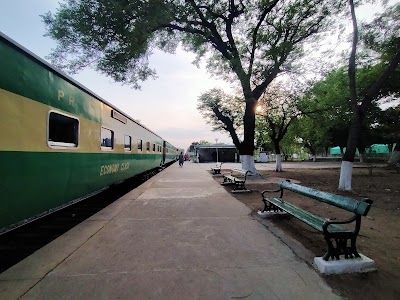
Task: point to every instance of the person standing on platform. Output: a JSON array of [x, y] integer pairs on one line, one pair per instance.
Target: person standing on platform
[[181, 159]]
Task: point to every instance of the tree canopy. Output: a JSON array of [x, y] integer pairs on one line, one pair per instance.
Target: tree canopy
[[193, 144], [248, 38], [222, 111], [249, 41]]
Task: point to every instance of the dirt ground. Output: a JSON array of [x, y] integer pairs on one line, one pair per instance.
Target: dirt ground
[[379, 237]]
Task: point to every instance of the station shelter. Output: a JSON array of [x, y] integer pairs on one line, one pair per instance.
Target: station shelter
[[216, 153]]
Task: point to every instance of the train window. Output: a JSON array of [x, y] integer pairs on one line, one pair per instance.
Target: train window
[[148, 146], [128, 142], [63, 130], [154, 147], [107, 139], [139, 144]]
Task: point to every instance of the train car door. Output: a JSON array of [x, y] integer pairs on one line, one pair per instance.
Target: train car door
[[163, 152]]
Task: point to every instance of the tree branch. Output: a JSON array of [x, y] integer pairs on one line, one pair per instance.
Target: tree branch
[[255, 32], [218, 43], [352, 60], [228, 125], [373, 91]]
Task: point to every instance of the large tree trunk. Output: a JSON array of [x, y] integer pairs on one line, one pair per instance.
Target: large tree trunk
[[395, 157], [341, 151], [363, 157], [362, 153], [360, 110], [246, 149], [346, 171], [278, 164], [248, 164], [390, 146], [278, 156], [312, 151], [348, 157]]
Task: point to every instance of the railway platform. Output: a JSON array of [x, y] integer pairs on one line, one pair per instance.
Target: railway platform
[[180, 235]]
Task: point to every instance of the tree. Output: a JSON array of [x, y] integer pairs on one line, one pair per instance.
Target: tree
[[277, 110], [311, 134], [250, 42], [395, 157], [193, 144], [361, 103], [328, 98], [388, 129], [328, 112], [230, 109]]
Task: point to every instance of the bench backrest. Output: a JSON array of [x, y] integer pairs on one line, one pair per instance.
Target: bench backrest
[[349, 204], [240, 171]]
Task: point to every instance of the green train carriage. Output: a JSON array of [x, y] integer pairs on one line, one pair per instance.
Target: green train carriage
[[61, 143]]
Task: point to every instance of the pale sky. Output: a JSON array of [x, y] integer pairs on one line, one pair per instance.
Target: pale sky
[[166, 105]]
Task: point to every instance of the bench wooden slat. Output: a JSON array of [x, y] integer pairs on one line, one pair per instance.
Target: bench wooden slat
[[237, 177], [312, 220], [349, 204], [231, 178]]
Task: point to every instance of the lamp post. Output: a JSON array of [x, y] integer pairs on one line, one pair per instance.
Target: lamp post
[[216, 148]]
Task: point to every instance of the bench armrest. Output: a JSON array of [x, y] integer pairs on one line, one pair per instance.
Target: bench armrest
[[356, 218], [270, 191]]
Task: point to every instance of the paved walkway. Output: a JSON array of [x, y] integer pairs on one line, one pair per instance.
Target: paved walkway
[[180, 235]]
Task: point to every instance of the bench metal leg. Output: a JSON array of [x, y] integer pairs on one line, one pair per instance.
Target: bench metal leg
[[227, 181], [345, 242], [268, 206], [240, 187], [342, 246]]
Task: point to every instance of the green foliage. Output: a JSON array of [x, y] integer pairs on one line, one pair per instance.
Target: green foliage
[[382, 35], [329, 99], [277, 110], [253, 40], [309, 133], [231, 107], [201, 142], [387, 127], [114, 36]]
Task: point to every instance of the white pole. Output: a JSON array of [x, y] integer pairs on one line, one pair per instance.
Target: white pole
[[216, 148]]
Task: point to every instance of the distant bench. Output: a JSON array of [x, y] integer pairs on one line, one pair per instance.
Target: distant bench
[[216, 169], [238, 178], [345, 239]]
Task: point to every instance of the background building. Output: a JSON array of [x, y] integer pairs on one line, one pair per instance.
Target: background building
[[216, 153]]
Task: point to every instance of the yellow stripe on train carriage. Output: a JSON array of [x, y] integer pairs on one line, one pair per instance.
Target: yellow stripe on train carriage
[[24, 122]]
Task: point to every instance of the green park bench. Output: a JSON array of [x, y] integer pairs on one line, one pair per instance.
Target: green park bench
[[216, 169], [345, 239], [238, 178]]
